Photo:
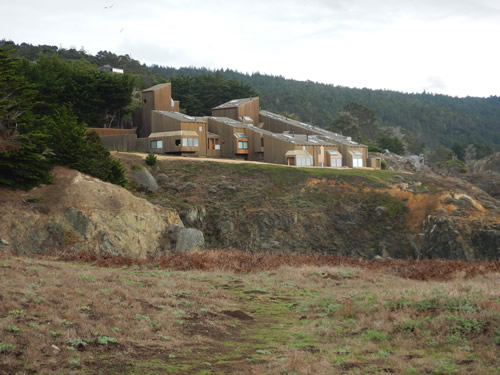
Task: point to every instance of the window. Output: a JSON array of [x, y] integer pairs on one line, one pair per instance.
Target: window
[[262, 142], [190, 142], [357, 162], [336, 162], [177, 142], [304, 161], [319, 151], [156, 144], [243, 145]]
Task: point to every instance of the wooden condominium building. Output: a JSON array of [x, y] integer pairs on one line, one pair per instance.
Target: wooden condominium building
[[354, 155], [296, 149], [156, 98], [237, 129], [178, 134], [245, 110], [235, 142]]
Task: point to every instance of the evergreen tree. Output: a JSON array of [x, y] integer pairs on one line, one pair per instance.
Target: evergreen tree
[[345, 124], [22, 141]]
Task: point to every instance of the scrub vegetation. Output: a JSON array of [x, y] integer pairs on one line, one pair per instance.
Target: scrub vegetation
[[226, 312]]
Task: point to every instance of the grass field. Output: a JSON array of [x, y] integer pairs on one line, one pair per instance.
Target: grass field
[[227, 312]]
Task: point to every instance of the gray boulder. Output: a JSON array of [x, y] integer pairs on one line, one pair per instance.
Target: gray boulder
[[162, 179], [145, 179], [178, 238]]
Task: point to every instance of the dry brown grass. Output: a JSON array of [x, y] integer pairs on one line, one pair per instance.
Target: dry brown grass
[[245, 262], [184, 314]]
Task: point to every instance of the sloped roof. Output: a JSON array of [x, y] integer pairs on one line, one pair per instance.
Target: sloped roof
[[229, 121], [320, 132], [179, 116], [181, 133], [298, 153], [156, 87], [235, 103]]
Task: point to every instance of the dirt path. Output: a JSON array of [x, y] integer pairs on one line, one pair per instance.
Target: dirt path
[[262, 322]]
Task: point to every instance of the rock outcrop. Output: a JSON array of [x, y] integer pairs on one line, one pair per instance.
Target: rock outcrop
[[79, 212], [145, 179]]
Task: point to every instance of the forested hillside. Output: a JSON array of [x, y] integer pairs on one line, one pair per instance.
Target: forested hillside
[[433, 119], [436, 119]]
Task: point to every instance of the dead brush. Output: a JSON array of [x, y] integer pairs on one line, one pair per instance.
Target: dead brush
[[247, 262]]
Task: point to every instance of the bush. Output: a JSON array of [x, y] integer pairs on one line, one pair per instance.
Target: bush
[[393, 144], [383, 164], [25, 166], [373, 148], [73, 146], [151, 159]]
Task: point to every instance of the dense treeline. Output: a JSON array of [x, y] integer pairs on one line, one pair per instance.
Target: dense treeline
[[436, 119], [44, 111], [422, 118], [199, 94]]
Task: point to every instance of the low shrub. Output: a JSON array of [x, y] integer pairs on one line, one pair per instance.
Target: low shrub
[[151, 159]]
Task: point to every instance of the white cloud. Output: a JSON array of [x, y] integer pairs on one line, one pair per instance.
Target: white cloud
[[447, 46]]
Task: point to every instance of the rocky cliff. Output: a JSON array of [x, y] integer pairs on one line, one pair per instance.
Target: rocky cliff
[[260, 208], [347, 212], [79, 212]]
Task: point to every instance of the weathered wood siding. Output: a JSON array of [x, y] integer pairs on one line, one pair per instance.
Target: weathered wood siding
[[164, 123], [250, 109], [228, 140], [226, 112], [154, 99], [120, 142]]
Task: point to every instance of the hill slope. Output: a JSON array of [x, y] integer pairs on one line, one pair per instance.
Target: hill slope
[[344, 212]]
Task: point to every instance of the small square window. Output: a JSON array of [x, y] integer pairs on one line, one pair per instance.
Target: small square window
[[156, 144]]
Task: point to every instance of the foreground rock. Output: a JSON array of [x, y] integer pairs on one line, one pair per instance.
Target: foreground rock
[[79, 212]]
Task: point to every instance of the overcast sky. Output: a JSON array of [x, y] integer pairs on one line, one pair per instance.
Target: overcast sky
[[441, 46]]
